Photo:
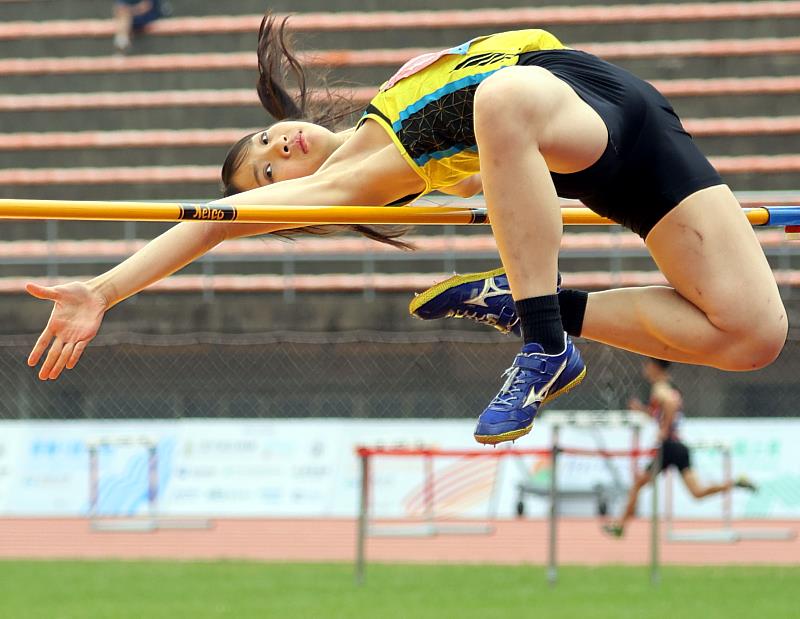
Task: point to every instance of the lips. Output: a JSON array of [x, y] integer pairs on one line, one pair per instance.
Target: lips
[[301, 142]]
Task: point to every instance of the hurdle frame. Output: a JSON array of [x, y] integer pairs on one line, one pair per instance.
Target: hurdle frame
[[366, 453], [428, 527], [636, 421], [588, 419]]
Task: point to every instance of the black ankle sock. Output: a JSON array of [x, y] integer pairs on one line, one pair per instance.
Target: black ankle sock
[[573, 309], [540, 319]]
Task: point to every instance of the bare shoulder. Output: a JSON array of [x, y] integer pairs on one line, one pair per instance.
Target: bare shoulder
[[370, 158]]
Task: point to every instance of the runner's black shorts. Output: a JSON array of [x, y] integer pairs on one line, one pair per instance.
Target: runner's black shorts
[[650, 164], [674, 453]]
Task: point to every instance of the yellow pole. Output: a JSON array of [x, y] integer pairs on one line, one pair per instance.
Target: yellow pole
[[305, 215]]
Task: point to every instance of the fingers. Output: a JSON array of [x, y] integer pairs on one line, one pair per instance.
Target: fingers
[[52, 358], [41, 345], [61, 362], [59, 357], [41, 292], [77, 351], [49, 294]]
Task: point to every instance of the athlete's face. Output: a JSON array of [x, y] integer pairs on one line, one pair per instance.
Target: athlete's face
[[286, 150]]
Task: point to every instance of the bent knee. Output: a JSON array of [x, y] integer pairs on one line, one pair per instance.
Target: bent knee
[[765, 347], [752, 337], [755, 348], [526, 94]]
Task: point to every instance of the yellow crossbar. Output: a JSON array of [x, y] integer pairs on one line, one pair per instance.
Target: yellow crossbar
[[178, 211]]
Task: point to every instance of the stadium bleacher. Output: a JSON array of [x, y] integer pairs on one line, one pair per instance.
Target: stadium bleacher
[[160, 124]]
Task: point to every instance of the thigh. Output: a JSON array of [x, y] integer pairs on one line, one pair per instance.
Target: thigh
[[690, 479], [707, 250], [528, 105]]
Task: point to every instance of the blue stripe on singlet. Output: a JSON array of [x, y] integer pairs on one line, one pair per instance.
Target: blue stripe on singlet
[[436, 94]]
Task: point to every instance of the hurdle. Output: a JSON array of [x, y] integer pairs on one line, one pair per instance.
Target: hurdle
[[778, 216], [593, 420], [151, 521], [364, 521], [430, 493], [727, 533]]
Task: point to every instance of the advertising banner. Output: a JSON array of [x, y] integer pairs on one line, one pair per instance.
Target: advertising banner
[[307, 468]]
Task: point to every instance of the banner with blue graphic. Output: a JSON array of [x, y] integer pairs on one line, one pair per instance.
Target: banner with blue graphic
[[307, 468]]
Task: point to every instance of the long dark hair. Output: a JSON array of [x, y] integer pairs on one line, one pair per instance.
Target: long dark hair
[[277, 63]]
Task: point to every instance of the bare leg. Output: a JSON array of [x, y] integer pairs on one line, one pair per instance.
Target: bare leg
[[528, 122], [698, 491], [642, 479], [123, 22], [723, 308], [123, 25]]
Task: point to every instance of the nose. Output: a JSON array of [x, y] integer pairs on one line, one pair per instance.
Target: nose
[[283, 146]]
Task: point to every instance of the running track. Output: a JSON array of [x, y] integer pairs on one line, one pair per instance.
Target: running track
[[514, 542]]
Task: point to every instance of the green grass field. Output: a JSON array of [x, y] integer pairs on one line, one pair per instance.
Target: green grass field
[[156, 590]]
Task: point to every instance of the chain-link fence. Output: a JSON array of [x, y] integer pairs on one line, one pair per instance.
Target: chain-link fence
[[361, 375]]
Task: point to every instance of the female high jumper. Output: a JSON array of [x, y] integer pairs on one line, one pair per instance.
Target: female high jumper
[[525, 119]]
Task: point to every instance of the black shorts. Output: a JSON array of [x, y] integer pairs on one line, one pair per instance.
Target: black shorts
[[673, 453], [650, 164]]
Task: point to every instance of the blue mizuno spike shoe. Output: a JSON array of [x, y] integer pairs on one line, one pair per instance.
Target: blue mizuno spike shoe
[[482, 297], [533, 379]]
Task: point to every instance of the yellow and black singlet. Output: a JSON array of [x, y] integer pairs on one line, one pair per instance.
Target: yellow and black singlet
[[427, 106]]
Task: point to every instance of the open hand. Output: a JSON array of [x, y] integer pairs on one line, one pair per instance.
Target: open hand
[[77, 313]]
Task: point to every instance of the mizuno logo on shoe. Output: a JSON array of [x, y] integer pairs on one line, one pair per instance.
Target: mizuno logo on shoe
[[490, 289], [538, 395]]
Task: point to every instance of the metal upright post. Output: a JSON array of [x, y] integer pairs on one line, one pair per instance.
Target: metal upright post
[[552, 567], [655, 573], [669, 504], [363, 513], [152, 479], [94, 480], [727, 499], [428, 493], [635, 445]]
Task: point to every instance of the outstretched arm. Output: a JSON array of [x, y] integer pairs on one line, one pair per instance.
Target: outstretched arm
[[168, 253], [375, 176], [79, 307]]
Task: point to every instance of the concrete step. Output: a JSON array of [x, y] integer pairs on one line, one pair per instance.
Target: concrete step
[[570, 34], [682, 67], [41, 10], [113, 157], [200, 117], [151, 191], [173, 191], [214, 155], [149, 118], [343, 254]]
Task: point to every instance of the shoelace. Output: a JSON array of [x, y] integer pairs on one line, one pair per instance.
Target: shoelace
[[511, 389]]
